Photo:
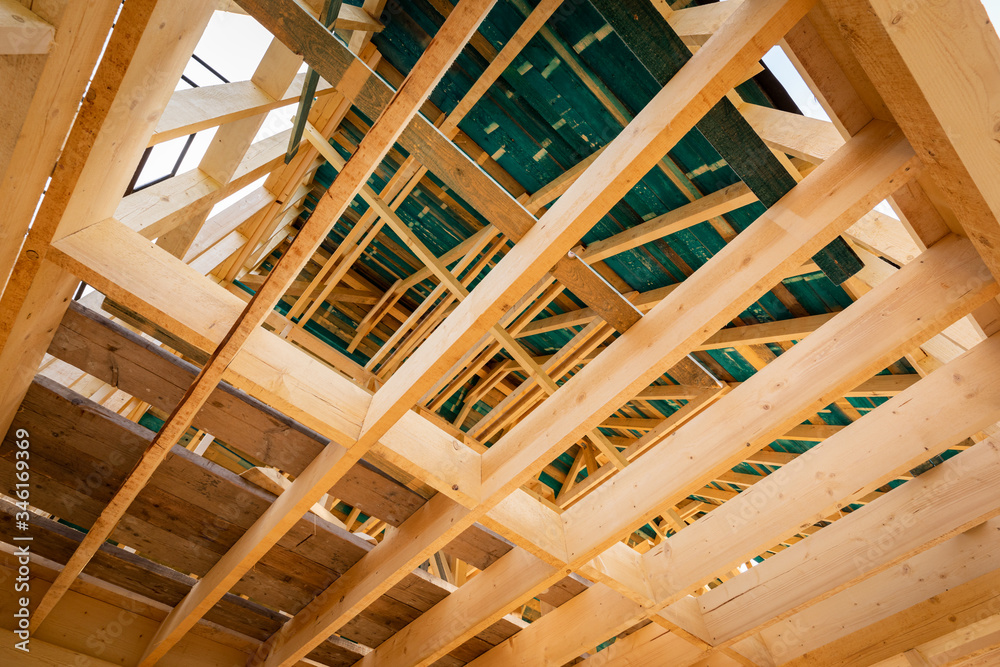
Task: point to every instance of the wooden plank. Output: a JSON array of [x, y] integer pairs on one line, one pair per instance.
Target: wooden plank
[[696, 24], [359, 38], [725, 200], [883, 385], [459, 616], [644, 301], [556, 637], [807, 138], [224, 224], [767, 332], [196, 109], [651, 645], [177, 519]]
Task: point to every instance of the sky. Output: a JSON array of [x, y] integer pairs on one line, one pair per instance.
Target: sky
[[233, 44]]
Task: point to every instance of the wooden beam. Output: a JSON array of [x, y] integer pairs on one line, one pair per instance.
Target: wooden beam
[[799, 639], [885, 157], [945, 501], [43, 97], [429, 146], [663, 122], [949, 119], [196, 109], [807, 138], [329, 466], [787, 391], [429, 529], [399, 187], [556, 638], [696, 24], [976, 645], [650, 37], [328, 114], [882, 385], [644, 301], [653, 645], [725, 200], [360, 37], [767, 332], [457, 618], [963, 607]]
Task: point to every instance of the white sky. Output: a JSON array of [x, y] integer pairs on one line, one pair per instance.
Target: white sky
[[233, 45]]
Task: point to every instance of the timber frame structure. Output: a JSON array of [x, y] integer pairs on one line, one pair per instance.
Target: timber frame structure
[[563, 338]]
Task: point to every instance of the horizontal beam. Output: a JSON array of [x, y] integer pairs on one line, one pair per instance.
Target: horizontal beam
[[710, 206], [644, 301], [555, 638], [196, 109]]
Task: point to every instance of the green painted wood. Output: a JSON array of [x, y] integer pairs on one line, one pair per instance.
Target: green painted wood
[[662, 52], [331, 8]]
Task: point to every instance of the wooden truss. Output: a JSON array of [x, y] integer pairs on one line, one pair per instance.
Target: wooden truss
[[428, 488]]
